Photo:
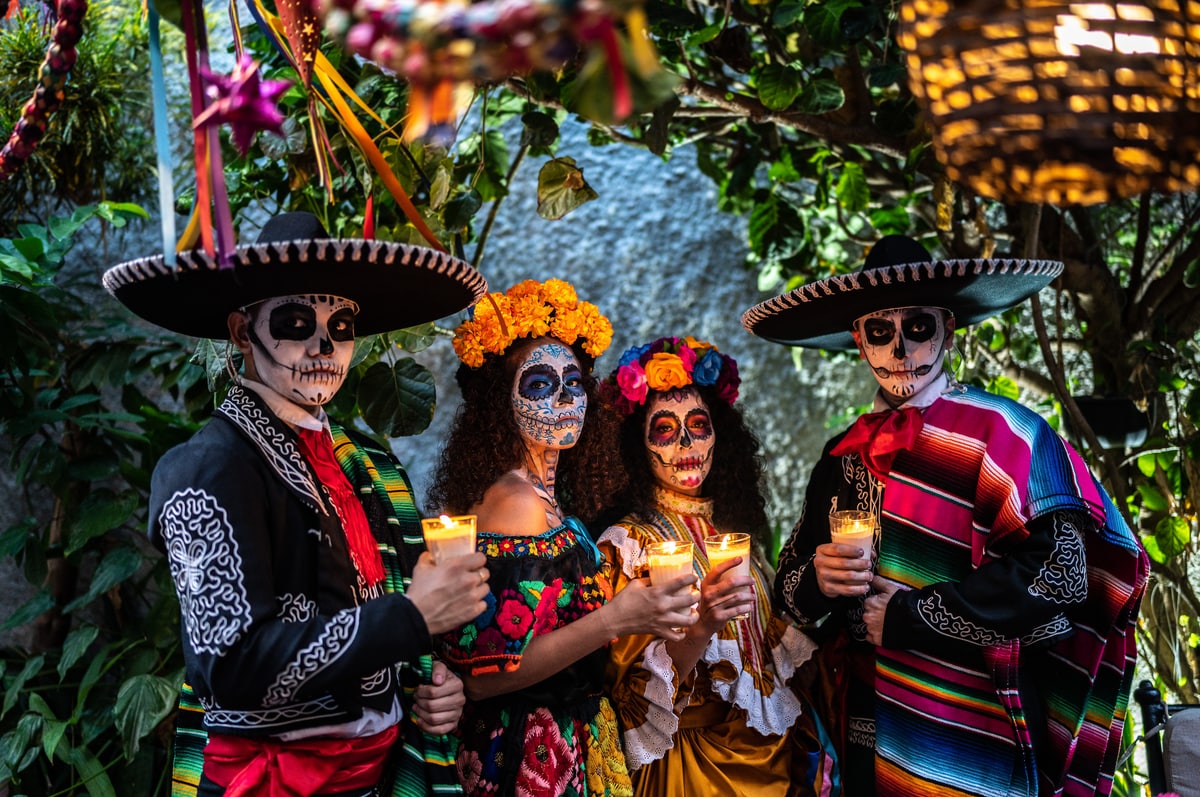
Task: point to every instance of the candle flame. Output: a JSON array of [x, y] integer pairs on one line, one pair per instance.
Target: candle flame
[[446, 521]]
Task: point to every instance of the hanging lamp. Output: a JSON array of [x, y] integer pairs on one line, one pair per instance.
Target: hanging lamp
[[1059, 102]]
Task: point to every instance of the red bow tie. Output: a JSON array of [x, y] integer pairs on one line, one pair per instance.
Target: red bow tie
[[878, 436]]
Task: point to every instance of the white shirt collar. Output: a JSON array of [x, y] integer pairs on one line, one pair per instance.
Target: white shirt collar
[[286, 410]]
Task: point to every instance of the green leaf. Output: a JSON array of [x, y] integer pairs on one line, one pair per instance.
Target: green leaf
[[91, 772], [461, 209], [116, 566], [42, 601], [890, 221], [1003, 386], [142, 702], [399, 400], [787, 13], [75, 645], [853, 193], [821, 95], [1146, 463], [778, 85], [13, 689], [561, 188], [823, 21], [539, 132], [1152, 498], [705, 34], [14, 539], [1172, 534], [99, 512], [52, 733]]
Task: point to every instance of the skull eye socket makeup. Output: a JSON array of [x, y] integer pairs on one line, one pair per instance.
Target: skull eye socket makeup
[[664, 428], [538, 381], [699, 425], [292, 321]]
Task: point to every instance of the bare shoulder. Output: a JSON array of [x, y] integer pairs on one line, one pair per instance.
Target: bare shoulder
[[511, 506]]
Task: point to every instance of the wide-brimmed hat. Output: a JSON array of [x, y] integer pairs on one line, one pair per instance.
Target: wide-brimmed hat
[[395, 285], [898, 272]]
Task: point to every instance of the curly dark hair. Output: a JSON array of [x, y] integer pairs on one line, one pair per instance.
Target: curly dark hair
[[484, 442], [737, 482]]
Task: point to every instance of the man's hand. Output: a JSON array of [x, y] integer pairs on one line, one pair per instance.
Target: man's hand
[[843, 571], [438, 706], [450, 594], [875, 607]]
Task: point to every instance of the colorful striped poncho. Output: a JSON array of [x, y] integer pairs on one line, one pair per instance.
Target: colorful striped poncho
[[965, 706]]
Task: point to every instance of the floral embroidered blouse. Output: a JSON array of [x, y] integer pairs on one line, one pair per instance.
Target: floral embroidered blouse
[[558, 737]]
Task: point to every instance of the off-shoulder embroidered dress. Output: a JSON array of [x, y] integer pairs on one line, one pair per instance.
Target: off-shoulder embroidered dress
[[557, 738], [722, 729]]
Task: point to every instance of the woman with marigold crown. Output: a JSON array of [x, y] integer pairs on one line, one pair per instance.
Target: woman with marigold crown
[[531, 458], [712, 710]]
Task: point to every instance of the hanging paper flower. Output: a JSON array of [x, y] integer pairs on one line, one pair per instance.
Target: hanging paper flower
[[244, 101]]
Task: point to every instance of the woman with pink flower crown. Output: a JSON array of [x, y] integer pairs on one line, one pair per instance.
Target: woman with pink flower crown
[[712, 713], [530, 456]]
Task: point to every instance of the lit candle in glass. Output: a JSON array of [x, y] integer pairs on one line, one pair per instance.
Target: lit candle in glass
[[447, 537], [723, 547], [668, 560], [853, 527]]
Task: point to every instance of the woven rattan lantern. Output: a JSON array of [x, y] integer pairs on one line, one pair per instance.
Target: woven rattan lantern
[[1059, 102]]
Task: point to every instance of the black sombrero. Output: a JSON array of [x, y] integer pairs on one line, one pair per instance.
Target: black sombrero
[[395, 285], [898, 272]]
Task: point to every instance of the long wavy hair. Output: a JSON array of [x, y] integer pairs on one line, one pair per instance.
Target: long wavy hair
[[736, 483], [484, 442]]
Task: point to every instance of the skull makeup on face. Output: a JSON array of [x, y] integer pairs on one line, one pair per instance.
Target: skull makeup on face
[[679, 439], [549, 402], [905, 347], [303, 345]]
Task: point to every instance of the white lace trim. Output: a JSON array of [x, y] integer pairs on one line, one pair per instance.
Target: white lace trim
[[651, 740], [770, 715], [629, 548]]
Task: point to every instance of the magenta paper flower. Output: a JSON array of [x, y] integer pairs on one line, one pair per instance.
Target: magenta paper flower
[[244, 101]]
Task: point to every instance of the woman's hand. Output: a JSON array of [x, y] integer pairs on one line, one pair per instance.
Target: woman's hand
[[722, 599], [842, 570], [640, 608]]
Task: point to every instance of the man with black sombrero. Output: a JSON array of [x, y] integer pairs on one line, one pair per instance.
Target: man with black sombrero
[[291, 539], [983, 644]]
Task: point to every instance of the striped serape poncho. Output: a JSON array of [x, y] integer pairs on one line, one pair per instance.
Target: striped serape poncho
[[1006, 660]]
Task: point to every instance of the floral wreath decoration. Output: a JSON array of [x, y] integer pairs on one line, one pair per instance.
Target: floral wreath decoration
[[668, 364], [531, 309]]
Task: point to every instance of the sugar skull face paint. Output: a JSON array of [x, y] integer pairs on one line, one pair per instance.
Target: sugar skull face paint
[[905, 347], [549, 401], [679, 439], [303, 345]]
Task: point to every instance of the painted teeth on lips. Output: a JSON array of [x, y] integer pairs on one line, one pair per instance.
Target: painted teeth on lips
[[687, 463]]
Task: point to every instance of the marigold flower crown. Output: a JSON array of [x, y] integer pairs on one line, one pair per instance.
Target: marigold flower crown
[[668, 364], [531, 309]]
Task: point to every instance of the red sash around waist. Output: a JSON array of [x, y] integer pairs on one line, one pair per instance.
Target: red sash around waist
[[271, 768]]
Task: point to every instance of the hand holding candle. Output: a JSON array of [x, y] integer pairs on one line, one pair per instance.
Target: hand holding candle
[[447, 537]]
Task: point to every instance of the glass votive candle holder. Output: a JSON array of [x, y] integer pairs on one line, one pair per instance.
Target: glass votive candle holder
[[853, 527], [449, 536], [668, 560], [723, 547]]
